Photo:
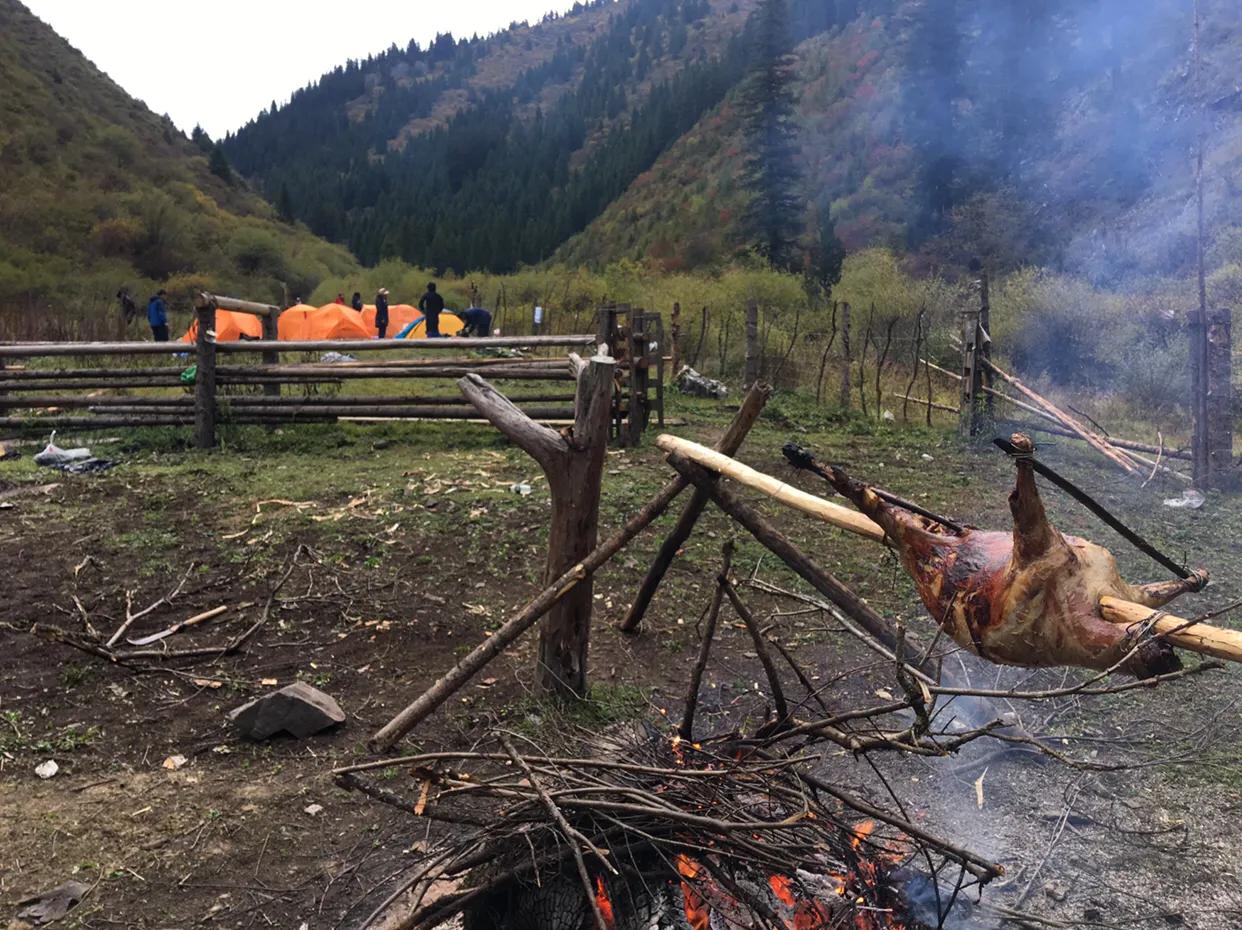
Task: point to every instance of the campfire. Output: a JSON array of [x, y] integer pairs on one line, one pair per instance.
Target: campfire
[[662, 832]]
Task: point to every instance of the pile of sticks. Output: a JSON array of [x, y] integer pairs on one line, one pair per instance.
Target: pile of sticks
[[650, 818], [1132, 457]]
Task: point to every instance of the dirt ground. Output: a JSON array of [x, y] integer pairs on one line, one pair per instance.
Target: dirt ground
[[404, 545]]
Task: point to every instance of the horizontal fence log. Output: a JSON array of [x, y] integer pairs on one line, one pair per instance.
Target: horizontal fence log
[[48, 349], [260, 400], [70, 349], [226, 414], [463, 343], [377, 371], [91, 384], [54, 374], [115, 419], [232, 303], [10, 375], [307, 373]]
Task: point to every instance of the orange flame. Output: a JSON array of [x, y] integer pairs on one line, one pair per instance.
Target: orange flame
[[604, 903], [697, 913]]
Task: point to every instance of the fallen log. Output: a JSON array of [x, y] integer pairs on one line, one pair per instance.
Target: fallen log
[[729, 443], [1099, 574], [1093, 439], [1127, 444]]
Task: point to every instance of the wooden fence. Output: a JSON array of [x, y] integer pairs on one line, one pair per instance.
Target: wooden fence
[[225, 390]]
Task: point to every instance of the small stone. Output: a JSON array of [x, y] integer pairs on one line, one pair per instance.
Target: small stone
[[47, 769], [1056, 890], [313, 809], [172, 763], [381, 444], [297, 709]]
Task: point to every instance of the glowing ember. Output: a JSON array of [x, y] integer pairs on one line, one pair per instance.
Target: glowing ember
[[604, 903], [697, 913]]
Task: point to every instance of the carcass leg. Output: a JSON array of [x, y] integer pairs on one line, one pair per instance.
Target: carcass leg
[[901, 526], [1033, 536], [1160, 593]]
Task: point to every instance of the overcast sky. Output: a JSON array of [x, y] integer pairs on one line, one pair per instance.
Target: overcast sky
[[219, 63]]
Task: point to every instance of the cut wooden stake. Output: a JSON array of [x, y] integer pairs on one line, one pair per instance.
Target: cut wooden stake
[[686, 730], [729, 443], [834, 514], [178, 627]]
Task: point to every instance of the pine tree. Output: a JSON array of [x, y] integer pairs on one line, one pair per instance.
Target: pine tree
[[827, 253], [773, 221], [284, 203], [200, 138], [219, 164], [932, 87]]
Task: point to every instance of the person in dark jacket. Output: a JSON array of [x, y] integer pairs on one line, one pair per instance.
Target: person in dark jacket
[[432, 305], [478, 322], [129, 309], [381, 312], [157, 316], [356, 303]]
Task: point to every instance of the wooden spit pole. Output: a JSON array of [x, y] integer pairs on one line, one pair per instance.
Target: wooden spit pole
[[1200, 637]]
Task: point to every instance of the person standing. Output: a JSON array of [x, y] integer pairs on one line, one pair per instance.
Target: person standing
[[157, 316], [129, 309], [431, 304], [356, 303], [381, 312]]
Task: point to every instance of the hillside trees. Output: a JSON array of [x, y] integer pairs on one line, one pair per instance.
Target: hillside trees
[[773, 221]]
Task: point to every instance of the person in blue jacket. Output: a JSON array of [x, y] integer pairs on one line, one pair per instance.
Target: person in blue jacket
[[157, 316], [476, 320]]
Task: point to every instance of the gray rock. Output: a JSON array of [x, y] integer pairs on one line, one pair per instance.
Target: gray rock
[[297, 709], [50, 906]]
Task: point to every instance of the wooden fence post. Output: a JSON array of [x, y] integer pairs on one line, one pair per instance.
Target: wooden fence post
[[983, 350], [205, 375], [640, 378], [674, 329], [969, 420], [846, 356], [754, 360], [271, 357], [574, 466], [1220, 396]]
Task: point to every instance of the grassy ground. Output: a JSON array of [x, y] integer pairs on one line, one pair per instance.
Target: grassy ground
[[410, 543]]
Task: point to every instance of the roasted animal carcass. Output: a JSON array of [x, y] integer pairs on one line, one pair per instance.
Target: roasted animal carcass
[[1029, 597]]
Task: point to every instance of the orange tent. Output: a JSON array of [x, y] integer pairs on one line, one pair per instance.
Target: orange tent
[[230, 327], [333, 321], [450, 325], [399, 316]]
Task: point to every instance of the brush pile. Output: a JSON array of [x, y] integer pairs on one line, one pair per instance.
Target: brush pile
[[651, 830]]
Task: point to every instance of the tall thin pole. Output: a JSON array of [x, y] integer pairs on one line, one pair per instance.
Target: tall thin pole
[[1199, 331]]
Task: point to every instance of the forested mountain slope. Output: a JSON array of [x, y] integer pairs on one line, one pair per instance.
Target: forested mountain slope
[[97, 192], [1041, 133], [1022, 131], [492, 152]]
